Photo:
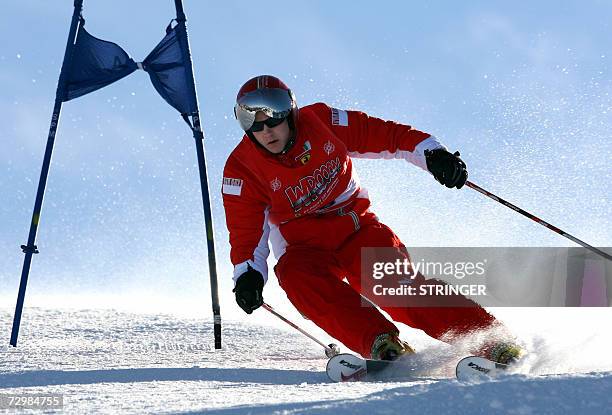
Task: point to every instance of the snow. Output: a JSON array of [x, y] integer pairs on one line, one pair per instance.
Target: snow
[[108, 361]]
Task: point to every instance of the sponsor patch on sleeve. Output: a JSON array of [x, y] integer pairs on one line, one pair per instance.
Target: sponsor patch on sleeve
[[232, 186], [339, 117]]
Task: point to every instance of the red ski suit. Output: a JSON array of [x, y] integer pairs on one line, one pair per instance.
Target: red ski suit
[[308, 203]]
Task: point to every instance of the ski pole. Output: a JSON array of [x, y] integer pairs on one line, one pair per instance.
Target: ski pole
[[331, 350], [538, 220]]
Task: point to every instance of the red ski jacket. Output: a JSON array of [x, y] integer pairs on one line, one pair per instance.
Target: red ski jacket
[[311, 195]]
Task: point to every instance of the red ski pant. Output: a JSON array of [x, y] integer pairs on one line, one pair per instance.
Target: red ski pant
[[313, 281]]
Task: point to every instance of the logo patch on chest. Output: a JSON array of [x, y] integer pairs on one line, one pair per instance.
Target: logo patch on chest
[[314, 186], [275, 184], [329, 147], [304, 156]]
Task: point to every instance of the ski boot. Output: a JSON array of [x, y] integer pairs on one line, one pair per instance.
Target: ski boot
[[388, 346], [507, 353]]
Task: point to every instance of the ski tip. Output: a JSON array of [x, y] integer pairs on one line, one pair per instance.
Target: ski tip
[[476, 368], [346, 367]]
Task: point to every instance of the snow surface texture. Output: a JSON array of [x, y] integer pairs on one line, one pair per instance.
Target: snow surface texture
[[111, 361]]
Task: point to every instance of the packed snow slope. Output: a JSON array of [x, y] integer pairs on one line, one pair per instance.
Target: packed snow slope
[[107, 361]]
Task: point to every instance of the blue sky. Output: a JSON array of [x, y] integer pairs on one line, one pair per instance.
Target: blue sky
[[523, 90]]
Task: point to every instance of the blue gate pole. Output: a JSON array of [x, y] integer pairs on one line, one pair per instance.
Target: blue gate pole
[[198, 135], [31, 248]]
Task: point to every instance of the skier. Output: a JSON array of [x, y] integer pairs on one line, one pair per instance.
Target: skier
[[291, 181]]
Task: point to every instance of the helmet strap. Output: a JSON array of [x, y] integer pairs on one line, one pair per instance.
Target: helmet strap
[[291, 140], [289, 144]]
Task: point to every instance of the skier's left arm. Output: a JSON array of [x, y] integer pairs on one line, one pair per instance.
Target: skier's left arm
[[371, 137]]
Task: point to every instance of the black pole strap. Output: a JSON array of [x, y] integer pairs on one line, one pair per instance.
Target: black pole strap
[[197, 134], [29, 249]]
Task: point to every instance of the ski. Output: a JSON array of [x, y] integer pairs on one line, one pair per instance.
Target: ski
[[476, 369], [347, 367]]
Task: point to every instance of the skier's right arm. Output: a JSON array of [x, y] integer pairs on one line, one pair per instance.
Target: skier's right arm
[[246, 208]]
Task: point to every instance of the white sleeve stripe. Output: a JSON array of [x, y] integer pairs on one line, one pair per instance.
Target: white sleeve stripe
[[416, 157], [260, 255], [278, 242]]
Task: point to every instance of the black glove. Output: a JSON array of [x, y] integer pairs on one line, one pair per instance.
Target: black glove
[[447, 168], [248, 290]]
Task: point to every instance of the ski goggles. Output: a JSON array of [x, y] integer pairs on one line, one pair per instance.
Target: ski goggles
[[270, 122], [274, 102]]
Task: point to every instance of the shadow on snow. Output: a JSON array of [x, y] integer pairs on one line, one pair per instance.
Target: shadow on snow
[[83, 377]]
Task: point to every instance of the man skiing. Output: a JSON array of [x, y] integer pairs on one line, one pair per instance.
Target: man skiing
[[291, 181]]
